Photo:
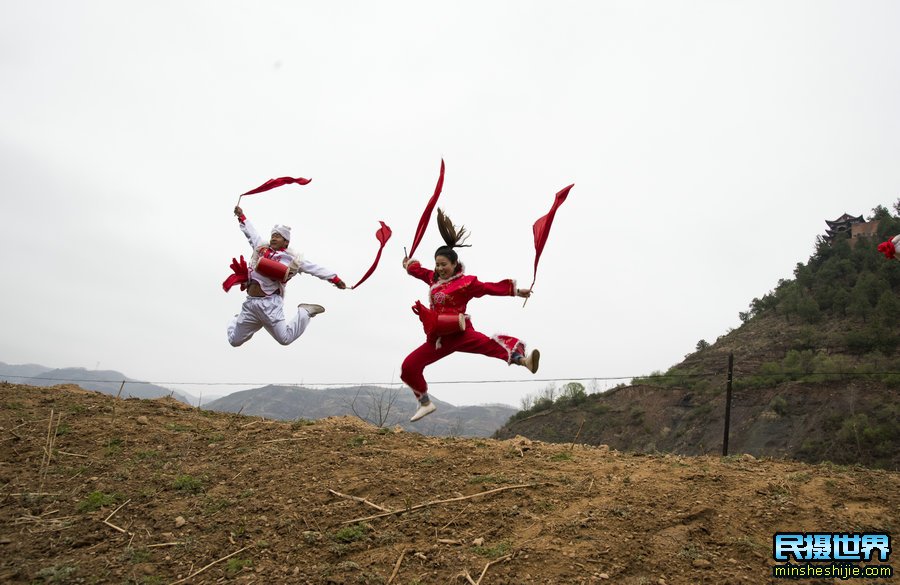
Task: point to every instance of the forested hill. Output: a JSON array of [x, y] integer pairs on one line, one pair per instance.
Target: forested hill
[[816, 373]]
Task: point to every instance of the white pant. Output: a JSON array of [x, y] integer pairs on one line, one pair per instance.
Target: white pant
[[268, 312]]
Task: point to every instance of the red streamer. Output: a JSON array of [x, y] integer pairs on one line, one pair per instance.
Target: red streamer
[[426, 216], [272, 183], [382, 235], [542, 228]]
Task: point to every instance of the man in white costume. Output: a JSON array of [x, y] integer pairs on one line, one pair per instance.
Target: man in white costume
[[271, 266]]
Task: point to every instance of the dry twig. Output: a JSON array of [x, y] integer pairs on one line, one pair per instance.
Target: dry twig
[[576, 436], [436, 502], [32, 494], [113, 526], [396, 567], [358, 499], [495, 561], [452, 520], [12, 431], [48, 451], [197, 572]]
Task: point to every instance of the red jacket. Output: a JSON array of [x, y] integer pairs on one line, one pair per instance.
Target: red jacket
[[452, 295]]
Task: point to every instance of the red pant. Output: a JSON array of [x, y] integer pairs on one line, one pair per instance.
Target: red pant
[[468, 341]]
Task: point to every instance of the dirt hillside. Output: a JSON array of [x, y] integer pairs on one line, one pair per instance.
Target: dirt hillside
[[95, 490]]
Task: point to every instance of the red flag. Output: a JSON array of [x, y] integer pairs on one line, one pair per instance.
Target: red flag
[[542, 228], [382, 235], [426, 215], [272, 183]]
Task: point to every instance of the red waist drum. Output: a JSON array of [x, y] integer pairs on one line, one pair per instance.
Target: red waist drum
[[272, 269], [447, 323]]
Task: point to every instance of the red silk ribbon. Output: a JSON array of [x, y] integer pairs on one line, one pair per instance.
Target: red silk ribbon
[[426, 215], [542, 228], [382, 235], [272, 183]]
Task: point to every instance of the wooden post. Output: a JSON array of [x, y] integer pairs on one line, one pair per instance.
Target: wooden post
[[728, 403]]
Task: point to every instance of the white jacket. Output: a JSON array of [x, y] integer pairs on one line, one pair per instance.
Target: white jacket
[[289, 257]]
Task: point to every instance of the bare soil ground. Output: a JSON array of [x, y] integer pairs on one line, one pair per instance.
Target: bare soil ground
[[99, 490]]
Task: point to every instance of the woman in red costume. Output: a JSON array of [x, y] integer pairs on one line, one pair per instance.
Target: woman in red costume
[[448, 328]]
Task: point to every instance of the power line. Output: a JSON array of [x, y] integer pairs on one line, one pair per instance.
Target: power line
[[641, 378], [321, 383]]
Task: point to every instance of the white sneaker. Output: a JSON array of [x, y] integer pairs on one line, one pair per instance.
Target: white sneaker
[[423, 411], [532, 361], [313, 310]]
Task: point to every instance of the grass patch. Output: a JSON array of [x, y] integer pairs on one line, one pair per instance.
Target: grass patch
[[188, 483], [351, 533], [493, 552], [235, 566], [114, 446], [137, 555], [800, 476], [302, 422], [357, 441], [690, 552], [56, 574], [148, 455], [214, 505], [95, 501], [561, 456]]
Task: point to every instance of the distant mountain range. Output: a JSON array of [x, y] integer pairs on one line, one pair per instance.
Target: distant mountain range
[[383, 407], [105, 381]]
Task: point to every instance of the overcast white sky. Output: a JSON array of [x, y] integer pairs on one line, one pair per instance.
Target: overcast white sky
[[708, 142]]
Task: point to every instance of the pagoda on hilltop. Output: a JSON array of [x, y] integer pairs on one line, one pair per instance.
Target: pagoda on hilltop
[[850, 227], [841, 226]]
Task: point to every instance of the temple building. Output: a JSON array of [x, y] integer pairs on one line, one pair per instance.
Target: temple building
[[851, 227], [842, 225]]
